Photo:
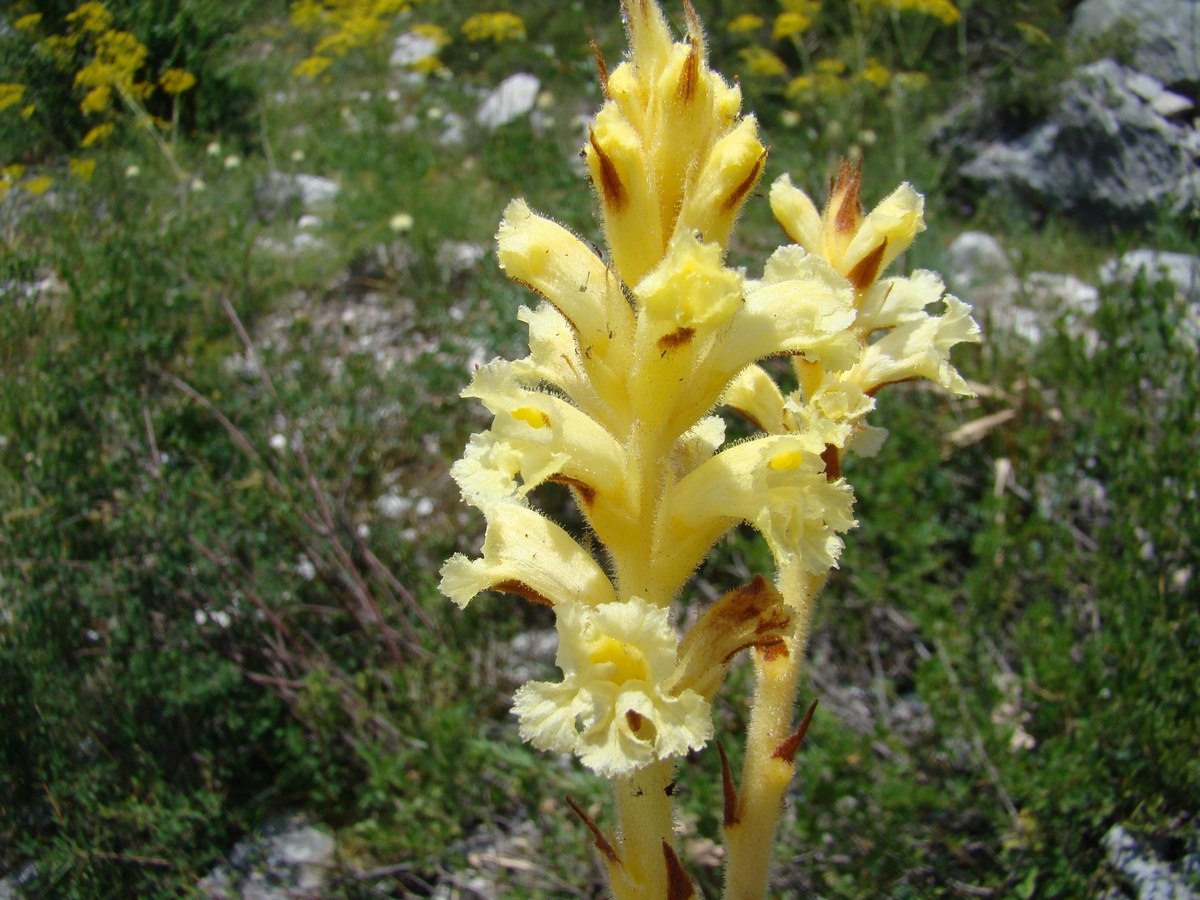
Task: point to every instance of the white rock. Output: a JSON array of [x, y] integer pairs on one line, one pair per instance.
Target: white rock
[[1181, 269], [411, 48], [974, 258], [514, 97], [315, 190]]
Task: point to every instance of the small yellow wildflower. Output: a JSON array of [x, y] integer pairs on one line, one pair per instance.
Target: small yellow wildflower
[[11, 95], [943, 10], [789, 25], [435, 33], [496, 26], [11, 173], [176, 81], [91, 17], [27, 23], [82, 168], [98, 99], [312, 67], [875, 74], [28, 111], [743, 23], [761, 62], [401, 222], [39, 185], [97, 134]]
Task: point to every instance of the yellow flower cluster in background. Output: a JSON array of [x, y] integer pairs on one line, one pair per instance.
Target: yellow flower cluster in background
[[107, 67], [494, 26], [803, 26], [343, 25]]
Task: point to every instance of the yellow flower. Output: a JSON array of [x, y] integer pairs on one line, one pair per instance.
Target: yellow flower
[[761, 62], [39, 185], [494, 26], [82, 168], [90, 17], [312, 67], [613, 709], [790, 25], [11, 95], [743, 23], [875, 74], [28, 22], [97, 134], [98, 99], [176, 81]]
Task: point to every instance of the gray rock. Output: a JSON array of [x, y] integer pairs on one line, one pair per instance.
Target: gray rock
[[514, 97], [287, 858], [283, 195], [1150, 877], [1180, 269], [455, 258], [1104, 155], [1163, 35], [12, 886]]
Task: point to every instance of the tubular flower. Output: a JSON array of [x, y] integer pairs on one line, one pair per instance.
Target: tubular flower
[[612, 708], [897, 338]]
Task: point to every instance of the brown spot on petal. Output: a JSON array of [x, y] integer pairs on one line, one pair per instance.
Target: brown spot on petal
[[845, 192], [833, 462], [679, 886], [584, 491], [748, 183], [521, 589], [690, 76], [863, 275], [772, 652], [676, 339], [787, 750], [611, 189], [634, 720]]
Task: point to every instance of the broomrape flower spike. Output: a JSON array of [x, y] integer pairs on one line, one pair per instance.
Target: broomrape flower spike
[[630, 355]]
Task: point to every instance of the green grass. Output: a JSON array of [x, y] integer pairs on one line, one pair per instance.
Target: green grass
[[202, 626]]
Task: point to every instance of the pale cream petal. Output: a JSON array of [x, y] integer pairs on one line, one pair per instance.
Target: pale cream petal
[[545, 257], [797, 214], [547, 715], [898, 219], [755, 395], [725, 180], [919, 349], [894, 301], [807, 314], [527, 553], [611, 708], [777, 484], [557, 437]]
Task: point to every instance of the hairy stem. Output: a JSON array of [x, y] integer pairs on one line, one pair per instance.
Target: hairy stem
[[644, 821], [766, 775]]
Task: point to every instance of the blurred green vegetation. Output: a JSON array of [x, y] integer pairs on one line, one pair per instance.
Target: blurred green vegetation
[[218, 558]]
